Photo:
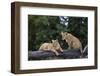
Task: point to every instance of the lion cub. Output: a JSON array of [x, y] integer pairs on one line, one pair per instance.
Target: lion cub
[[73, 42], [54, 47]]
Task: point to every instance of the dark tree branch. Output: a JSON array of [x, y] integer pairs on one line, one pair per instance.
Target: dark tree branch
[[43, 55]]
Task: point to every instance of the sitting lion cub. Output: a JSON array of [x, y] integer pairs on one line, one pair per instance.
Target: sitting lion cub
[[54, 47], [73, 42]]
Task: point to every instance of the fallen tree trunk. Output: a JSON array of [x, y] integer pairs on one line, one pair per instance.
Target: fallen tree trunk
[[43, 55]]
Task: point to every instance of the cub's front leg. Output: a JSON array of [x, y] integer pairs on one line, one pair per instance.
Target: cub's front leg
[[55, 52], [61, 49]]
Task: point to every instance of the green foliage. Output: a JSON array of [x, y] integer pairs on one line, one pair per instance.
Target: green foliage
[[46, 28]]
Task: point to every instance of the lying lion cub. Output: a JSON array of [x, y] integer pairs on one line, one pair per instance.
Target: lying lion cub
[[73, 42], [54, 47]]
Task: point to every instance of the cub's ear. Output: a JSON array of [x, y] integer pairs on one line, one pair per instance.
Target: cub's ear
[[69, 35], [62, 32], [53, 40], [57, 40], [66, 33]]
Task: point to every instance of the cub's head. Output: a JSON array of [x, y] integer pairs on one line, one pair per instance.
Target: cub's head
[[65, 35], [55, 43]]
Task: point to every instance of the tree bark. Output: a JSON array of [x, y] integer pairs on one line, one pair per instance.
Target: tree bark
[[44, 55]]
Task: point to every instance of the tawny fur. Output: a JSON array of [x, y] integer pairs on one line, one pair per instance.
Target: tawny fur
[[73, 42], [54, 47]]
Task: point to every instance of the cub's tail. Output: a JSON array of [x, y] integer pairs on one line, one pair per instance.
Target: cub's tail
[[84, 51], [85, 48]]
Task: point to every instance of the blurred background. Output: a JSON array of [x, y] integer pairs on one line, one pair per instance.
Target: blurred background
[[43, 29]]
